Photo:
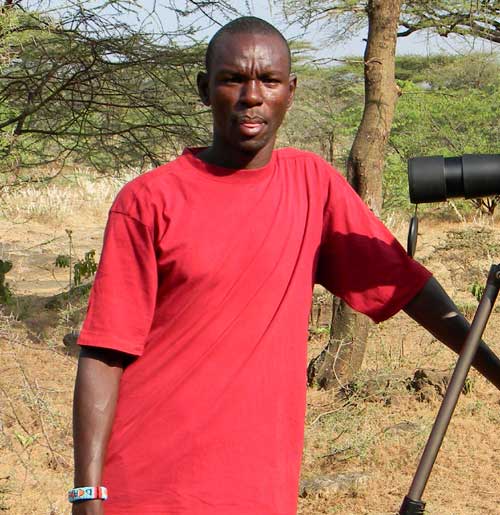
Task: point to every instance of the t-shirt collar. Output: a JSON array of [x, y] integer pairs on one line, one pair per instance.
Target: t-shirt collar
[[221, 173]]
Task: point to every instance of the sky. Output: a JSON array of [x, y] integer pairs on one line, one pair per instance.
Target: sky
[[419, 43]]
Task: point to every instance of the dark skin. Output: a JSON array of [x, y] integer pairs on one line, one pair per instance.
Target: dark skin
[[96, 392], [249, 90]]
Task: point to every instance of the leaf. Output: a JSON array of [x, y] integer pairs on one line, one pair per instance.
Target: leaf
[[62, 261]]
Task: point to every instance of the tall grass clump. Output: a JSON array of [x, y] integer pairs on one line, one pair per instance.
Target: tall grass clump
[[56, 201]]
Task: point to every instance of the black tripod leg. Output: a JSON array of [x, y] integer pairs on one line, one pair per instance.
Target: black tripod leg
[[412, 504]]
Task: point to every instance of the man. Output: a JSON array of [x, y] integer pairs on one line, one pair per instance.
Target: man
[[190, 392]]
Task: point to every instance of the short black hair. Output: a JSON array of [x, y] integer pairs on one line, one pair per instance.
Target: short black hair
[[244, 25]]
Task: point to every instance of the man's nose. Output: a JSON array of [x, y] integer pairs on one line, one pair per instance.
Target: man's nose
[[251, 93]]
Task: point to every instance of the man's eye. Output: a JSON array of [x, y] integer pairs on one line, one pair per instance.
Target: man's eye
[[234, 79], [270, 80]]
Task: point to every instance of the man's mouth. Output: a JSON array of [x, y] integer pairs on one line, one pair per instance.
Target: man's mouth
[[251, 126]]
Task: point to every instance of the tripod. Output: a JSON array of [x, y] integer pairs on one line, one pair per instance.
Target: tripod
[[412, 503]]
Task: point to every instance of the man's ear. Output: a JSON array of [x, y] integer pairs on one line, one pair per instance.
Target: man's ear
[[292, 85], [202, 82]]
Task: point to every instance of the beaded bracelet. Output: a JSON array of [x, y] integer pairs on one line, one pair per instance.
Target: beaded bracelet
[[87, 493]]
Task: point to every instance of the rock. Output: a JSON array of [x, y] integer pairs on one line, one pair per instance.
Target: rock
[[380, 388], [71, 338], [429, 384], [332, 484]]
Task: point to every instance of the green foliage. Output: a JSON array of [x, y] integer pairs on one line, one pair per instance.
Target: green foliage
[[326, 112], [5, 292], [26, 440], [63, 261], [85, 268], [82, 269], [474, 70], [319, 330], [468, 386], [477, 290], [415, 68]]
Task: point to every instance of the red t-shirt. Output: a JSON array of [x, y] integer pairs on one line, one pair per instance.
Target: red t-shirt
[[206, 274]]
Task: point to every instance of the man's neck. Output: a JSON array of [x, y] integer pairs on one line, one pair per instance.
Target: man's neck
[[237, 161]]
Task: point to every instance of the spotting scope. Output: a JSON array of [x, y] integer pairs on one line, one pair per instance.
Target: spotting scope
[[435, 179]]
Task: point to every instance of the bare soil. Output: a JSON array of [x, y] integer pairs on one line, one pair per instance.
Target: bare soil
[[378, 431]]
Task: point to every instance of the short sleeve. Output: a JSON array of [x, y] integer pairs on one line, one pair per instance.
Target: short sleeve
[[123, 296], [360, 260]]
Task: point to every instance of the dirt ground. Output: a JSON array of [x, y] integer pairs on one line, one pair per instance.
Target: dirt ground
[[375, 434]]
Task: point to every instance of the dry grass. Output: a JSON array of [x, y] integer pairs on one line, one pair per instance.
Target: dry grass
[[61, 199], [382, 433], [376, 431], [35, 437]]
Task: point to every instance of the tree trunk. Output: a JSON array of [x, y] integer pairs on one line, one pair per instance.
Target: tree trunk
[[343, 355]]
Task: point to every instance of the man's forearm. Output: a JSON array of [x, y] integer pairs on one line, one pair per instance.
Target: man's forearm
[[96, 393], [434, 310]]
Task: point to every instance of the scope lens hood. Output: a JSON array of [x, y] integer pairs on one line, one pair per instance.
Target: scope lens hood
[[426, 179]]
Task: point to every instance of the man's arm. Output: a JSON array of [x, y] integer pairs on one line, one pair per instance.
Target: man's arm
[[96, 393], [434, 310]]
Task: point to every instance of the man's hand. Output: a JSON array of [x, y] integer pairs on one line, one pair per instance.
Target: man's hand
[[95, 507], [434, 310]]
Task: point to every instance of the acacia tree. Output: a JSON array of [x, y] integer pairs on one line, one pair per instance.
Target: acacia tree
[[386, 19], [79, 83]]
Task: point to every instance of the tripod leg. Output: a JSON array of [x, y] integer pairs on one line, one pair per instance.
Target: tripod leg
[[412, 504]]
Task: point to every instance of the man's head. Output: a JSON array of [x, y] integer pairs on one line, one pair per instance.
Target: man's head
[[245, 25], [249, 89]]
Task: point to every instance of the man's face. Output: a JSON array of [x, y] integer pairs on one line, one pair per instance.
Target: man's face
[[249, 89]]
